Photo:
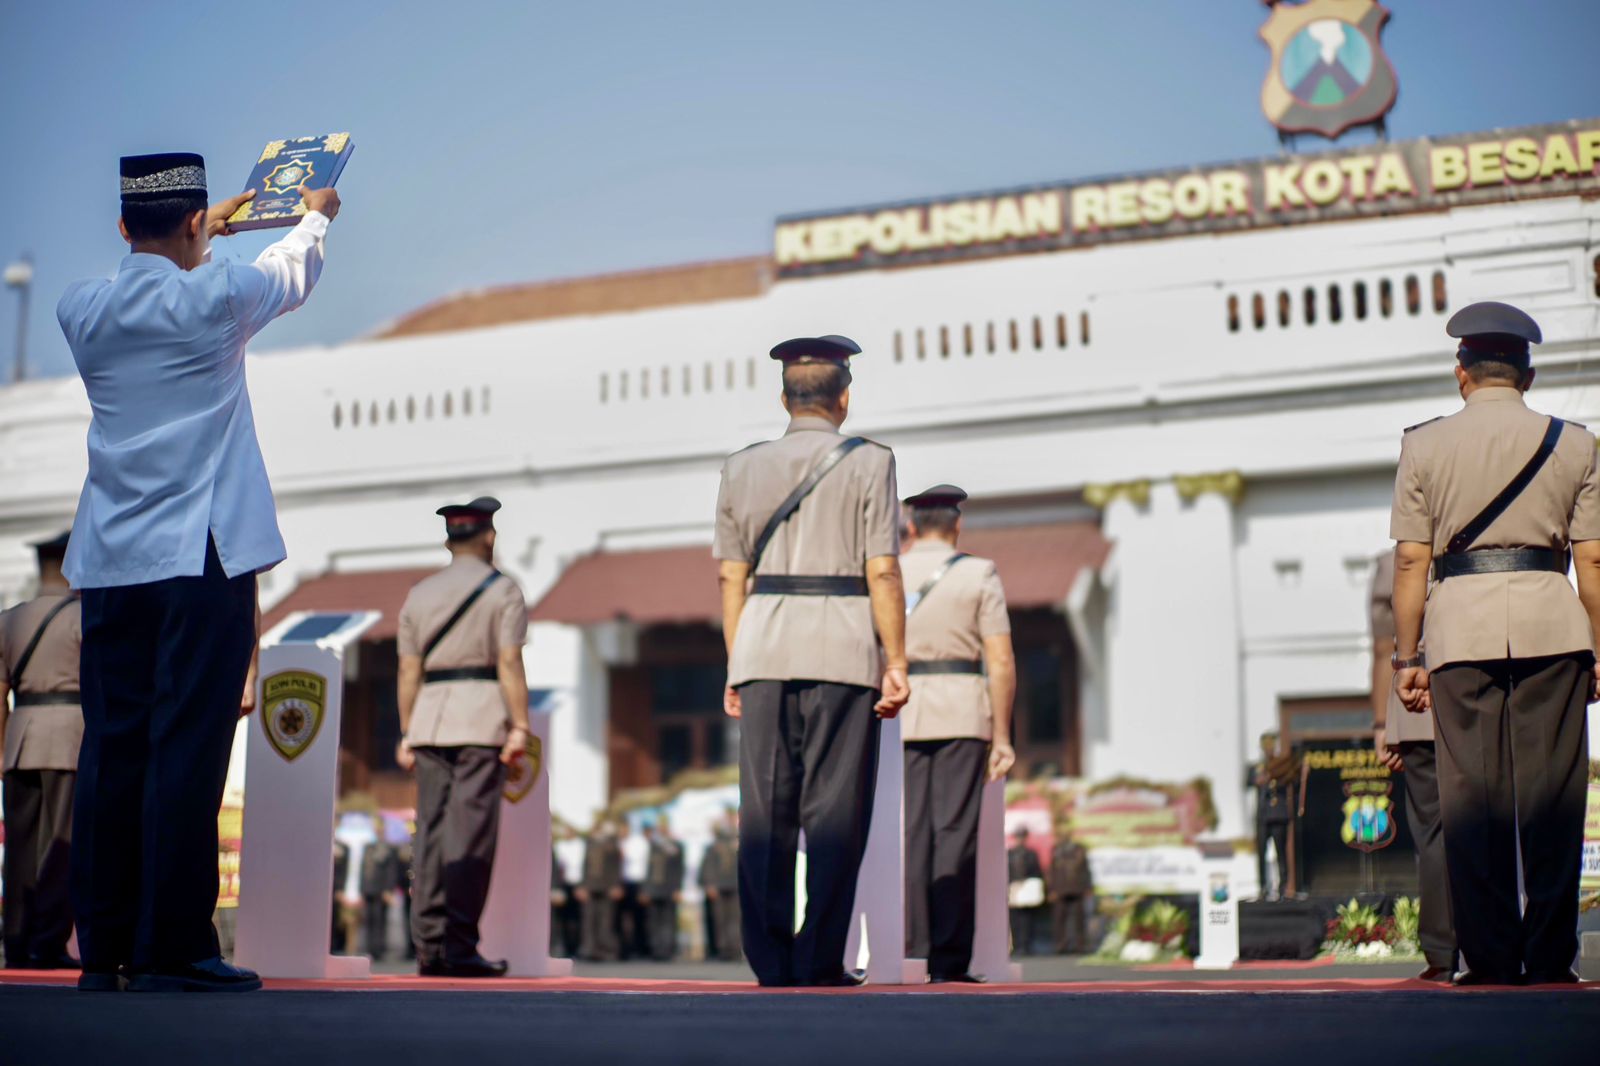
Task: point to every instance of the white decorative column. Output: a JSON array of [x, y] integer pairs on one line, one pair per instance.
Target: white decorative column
[[1172, 637]]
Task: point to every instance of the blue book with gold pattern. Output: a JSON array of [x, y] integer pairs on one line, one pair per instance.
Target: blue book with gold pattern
[[284, 166]]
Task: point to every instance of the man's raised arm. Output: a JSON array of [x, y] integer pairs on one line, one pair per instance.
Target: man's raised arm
[[283, 275]]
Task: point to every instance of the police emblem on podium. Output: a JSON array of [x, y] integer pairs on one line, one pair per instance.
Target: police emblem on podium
[[1329, 71], [1368, 811], [523, 774], [293, 706]]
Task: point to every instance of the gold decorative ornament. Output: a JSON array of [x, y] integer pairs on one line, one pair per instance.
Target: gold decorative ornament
[[1229, 484], [335, 142], [1102, 495], [271, 150]]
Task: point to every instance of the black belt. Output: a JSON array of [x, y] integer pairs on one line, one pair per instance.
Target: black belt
[[1498, 561], [49, 699], [461, 673], [789, 585], [946, 666]]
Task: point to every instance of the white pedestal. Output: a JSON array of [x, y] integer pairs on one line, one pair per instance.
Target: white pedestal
[[991, 940], [515, 925], [1219, 907], [286, 856], [878, 929]]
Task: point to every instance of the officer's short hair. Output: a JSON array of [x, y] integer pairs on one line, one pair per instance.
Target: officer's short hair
[[51, 553], [1485, 370], [815, 384], [935, 519]]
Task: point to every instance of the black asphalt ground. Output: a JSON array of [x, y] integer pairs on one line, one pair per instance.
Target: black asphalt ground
[[61, 1026]]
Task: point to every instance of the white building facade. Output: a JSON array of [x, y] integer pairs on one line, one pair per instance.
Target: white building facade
[[1195, 433]]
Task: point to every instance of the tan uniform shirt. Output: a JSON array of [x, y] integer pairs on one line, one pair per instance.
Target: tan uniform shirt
[[45, 737], [452, 714], [1399, 725], [967, 605], [851, 516], [1449, 470]]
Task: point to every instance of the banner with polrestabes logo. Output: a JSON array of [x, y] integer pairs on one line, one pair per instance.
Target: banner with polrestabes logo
[[294, 703]]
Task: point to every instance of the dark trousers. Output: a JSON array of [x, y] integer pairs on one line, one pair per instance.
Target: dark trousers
[[162, 670], [375, 917], [663, 923], [38, 905], [1069, 924], [1024, 929], [725, 927], [458, 826], [1278, 833], [598, 940], [808, 760], [1512, 757], [1436, 931], [633, 922], [944, 790]]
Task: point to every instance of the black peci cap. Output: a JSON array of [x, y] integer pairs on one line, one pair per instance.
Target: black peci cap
[[465, 520], [162, 176], [1492, 330], [55, 545], [938, 496], [829, 349]]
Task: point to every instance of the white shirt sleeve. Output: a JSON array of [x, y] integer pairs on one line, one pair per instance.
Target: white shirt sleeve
[[281, 277]]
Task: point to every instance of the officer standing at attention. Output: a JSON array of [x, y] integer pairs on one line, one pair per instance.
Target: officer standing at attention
[[813, 613], [957, 727], [39, 643], [598, 892], [719, 878], [1404, 742], [1491, 500], [662, 889], [463, 698], [175, 521]]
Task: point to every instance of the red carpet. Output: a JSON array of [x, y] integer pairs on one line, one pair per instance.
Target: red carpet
[[409, 983]]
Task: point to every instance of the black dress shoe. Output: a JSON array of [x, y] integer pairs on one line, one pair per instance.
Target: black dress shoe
[[476, 966], [1483, 979], [1439, 975], [1551, 977], [208, 975], [103, 979], [852, 979], [957, 979], [62, 961]]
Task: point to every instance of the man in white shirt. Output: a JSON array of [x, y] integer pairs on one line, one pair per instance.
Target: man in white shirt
[[175, 520]]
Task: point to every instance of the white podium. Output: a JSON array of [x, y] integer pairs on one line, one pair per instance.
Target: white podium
[[515, 925], [291, 783], [991, 935], [1219, 907], [877, 941]]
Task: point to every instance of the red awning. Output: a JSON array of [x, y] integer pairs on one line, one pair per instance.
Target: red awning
[[1038, 564], [367, 590], [663, 585]]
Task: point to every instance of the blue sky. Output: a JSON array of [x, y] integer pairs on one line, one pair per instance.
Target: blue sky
[[507, 142]]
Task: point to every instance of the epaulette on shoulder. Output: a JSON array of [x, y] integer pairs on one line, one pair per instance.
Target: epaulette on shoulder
[[1580, 425], [1419, 425]]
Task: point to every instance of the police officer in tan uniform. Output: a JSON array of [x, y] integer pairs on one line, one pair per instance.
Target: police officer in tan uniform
[[39, 643], [1405, 742], [813, 614], [1490, 501], [957, 727], [463, 700]]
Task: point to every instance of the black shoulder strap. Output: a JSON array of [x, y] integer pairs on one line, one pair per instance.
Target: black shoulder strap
[[801, 491], [1474, 529], [933, 579], [466, 605], [33, 643]]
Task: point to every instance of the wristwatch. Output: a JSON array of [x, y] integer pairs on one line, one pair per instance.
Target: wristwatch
[[1405, 664]]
